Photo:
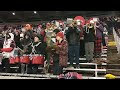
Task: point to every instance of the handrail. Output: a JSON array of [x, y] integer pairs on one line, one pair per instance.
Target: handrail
[[117, 39]]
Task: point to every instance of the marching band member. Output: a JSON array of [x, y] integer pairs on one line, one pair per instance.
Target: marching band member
[[26, 47], [38, 48], [8, 50], [89, 38], [50, 40]]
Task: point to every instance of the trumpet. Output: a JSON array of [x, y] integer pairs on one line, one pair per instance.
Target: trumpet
[[90, 25], [74, 23]]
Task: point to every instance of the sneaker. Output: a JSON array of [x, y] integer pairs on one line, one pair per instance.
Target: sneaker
[[77, 67], [70, 67]]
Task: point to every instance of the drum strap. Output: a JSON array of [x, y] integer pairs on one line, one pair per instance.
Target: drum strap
[[27, 44], [33, 47]]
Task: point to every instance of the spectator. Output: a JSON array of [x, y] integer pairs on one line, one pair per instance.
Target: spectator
[[73, 38], [98, 41], [89, 37], [62, 52]]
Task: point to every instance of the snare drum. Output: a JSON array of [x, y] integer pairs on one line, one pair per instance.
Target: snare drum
[[12, 60], [38, 59], [17, 59], [25, 59]]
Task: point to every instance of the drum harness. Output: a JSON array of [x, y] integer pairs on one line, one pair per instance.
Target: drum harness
[[33, 49]]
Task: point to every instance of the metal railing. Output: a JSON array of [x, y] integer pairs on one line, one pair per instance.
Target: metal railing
[[117, 39]]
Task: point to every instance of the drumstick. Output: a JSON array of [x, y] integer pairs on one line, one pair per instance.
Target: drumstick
[[20, 49]]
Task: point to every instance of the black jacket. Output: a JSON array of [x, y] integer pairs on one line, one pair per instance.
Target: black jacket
[[73, 36], [89, 37], [40, 48]]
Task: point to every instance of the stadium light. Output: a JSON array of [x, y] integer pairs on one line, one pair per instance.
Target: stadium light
[[35, 12], [13, 13]]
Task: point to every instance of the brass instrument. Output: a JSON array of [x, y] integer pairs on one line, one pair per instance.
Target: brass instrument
[[50, 34], [74, 23], [90, 25]]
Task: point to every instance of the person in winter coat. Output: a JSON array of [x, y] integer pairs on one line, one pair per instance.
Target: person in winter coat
[[8, 51], [89, 38], [38, 48], [98, 40], [73, 38], [26, 42], [60, 54]]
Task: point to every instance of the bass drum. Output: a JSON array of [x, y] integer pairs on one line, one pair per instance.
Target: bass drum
[[12, 60], [17, 59], [25, 59], [38, 59]]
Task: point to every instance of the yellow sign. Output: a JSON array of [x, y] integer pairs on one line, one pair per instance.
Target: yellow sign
[[112, 43]]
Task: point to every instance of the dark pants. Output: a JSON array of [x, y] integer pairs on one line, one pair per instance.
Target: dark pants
[[23, 68], [82, 48], [110, 30], [5, 63], [26, 68], [35, 68], [32, 68], [57, 69], [73, 52]]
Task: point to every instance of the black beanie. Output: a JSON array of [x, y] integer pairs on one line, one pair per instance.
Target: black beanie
[[40, 37]]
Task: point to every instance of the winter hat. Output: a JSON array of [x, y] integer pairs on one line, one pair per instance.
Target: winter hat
[[60, 34], [40, 37]]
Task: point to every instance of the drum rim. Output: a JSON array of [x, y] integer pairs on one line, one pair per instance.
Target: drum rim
[[38, 55], [25, 55]]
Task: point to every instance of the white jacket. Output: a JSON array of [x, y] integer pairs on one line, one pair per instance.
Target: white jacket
[[7, 44]]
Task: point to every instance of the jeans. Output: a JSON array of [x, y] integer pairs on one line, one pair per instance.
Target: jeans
[[82, 48], [73, 51]]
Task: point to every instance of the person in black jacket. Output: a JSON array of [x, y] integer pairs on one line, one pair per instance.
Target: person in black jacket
[[38, 47], [26, 42], [89, 38], [73, 38]]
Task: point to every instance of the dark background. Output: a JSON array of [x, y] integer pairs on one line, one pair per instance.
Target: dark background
[[29, 16]]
